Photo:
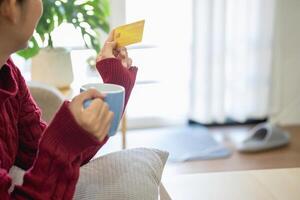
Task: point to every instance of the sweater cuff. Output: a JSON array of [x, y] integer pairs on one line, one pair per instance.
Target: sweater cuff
[[112, 71], [64, 133], [108, 66]]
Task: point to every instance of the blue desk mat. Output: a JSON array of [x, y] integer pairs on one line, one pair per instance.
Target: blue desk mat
[[183, 143]]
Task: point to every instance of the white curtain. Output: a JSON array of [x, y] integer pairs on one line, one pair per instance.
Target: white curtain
[[232, 57]]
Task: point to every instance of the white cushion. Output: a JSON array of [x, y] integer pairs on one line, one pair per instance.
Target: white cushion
[[132, 174]]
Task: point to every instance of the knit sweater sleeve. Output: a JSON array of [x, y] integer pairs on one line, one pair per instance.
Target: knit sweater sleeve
[[55, 170], [112, 71], [63, 145], [53, 153], [30, 127]]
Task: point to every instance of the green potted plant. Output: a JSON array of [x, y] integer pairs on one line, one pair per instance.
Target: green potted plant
[[88, 16]]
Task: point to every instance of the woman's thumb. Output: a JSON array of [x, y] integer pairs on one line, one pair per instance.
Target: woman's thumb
[[111, 45]]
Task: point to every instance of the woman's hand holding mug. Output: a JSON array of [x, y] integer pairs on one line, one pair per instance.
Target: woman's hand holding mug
[[95, 119]]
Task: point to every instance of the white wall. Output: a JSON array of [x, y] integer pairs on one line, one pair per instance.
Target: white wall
[[286, 79]]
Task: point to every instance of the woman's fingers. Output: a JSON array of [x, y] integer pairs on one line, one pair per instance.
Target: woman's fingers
[[116, 52], [104, 110], [129, 62], [124, 53], [123, 57], [95, 106], [110, 37], [89, 94], [108, 50], [105, 127]]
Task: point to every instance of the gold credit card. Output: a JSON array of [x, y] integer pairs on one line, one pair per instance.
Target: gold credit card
[[129, 33]]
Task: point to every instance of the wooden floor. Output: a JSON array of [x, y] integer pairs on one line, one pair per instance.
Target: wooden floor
[[286, 157]]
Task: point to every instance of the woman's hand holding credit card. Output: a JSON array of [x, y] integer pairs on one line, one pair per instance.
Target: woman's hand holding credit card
[[115, 47], [123, 36]]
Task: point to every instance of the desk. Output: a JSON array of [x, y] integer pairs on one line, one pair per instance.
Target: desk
[[279, 184]]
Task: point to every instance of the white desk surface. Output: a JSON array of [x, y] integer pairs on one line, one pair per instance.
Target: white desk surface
[[274, 184]]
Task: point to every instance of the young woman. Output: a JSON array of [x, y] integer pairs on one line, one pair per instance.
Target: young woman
[[51, 155]]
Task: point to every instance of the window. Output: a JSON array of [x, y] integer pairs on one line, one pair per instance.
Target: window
[[162, 91], [163, 58], [233, 44]]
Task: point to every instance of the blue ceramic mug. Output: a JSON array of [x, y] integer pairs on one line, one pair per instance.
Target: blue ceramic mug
[[115, 95]]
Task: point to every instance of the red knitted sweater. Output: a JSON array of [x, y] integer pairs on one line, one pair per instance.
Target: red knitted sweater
[[52, 155]]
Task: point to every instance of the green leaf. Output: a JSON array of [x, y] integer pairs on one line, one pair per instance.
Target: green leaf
[[67, 11], [30, 51]]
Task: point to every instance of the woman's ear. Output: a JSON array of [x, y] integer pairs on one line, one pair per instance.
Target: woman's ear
[[9, 10]]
